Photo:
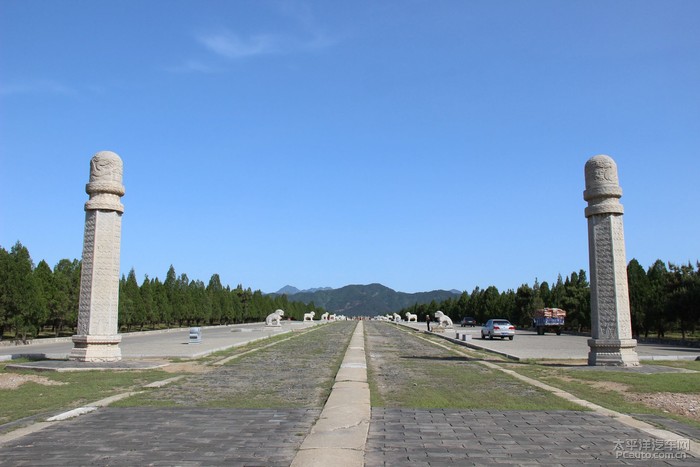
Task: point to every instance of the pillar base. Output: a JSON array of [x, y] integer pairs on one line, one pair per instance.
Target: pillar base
[[96, 348], [613, 352]]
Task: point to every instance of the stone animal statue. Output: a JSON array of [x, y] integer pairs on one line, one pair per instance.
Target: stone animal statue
[[324, 317], [309, 316], [411, 317], [445, 321], [396, 318], [274, 317], [331, 317]]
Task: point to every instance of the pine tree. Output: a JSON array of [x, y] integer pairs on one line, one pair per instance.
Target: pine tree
[[25, 312], [66, 276], [47, 293]]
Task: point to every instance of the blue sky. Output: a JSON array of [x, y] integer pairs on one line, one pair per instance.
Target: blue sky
[[419, 144]]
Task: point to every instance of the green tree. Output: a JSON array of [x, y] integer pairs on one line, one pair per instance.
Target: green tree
[[147, 293], [4, 291], [545, 294], [684, 296], [183, 306], [66, 276], [172, 294], [476, 308], [130, 305], [640, 294], [576, 301], [47, 293], [506, 303], [25, 311], [201, 306], [237, 306], [463, 305], [490, 304], [245, 296], [161, 305], [658, 280], [523, 306], [557, 294], [217, 299]]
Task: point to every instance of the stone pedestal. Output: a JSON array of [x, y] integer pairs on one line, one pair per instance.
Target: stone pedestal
[[613, 352], [97, 339], [611, 329]]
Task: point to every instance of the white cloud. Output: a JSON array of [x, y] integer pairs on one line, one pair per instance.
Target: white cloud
[[232, 46], [36, 87]]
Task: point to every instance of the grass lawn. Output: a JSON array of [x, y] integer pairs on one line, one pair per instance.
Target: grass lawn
[[406, 371], [622, 391], [51, 392]]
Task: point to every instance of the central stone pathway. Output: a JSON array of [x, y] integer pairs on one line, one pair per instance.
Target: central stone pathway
[[338, 437]]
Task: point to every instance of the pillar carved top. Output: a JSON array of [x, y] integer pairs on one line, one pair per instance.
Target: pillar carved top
[[105, 187], [603, 190]]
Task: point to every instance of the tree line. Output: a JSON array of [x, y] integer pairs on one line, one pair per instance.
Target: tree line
[[662, 299], [35, 300], [38, 299]]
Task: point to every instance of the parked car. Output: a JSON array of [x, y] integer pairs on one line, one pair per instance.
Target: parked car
[[468, 321], [498, 328]]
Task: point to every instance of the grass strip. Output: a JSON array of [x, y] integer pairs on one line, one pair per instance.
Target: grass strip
[[49, 392], [613, 390], [407, 371]]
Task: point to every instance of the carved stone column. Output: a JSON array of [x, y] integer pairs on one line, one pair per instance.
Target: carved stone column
[[97, 339], [611, 330]]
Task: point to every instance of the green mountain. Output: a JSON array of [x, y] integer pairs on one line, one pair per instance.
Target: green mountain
[[369, 300]]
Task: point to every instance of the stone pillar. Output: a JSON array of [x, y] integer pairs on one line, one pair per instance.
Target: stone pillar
[[97, 339], [611, 328]]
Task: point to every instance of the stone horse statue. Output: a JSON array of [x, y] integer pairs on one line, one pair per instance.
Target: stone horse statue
[[411, 317]]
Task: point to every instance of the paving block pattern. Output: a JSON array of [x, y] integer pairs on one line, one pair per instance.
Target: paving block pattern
[[478, 437], [172, 436]]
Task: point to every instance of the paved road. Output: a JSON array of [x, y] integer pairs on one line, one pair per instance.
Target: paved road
[[171, 343], [175, 344], [527, 345]]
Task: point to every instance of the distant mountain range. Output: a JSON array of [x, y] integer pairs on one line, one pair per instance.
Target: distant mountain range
[[291, 290], [357, 300]]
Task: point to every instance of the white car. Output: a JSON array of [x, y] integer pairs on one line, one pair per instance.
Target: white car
[[498, 328]]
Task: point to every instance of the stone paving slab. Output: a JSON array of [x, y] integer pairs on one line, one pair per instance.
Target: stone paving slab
[[683, 429], [167, 436], [479, 437]]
